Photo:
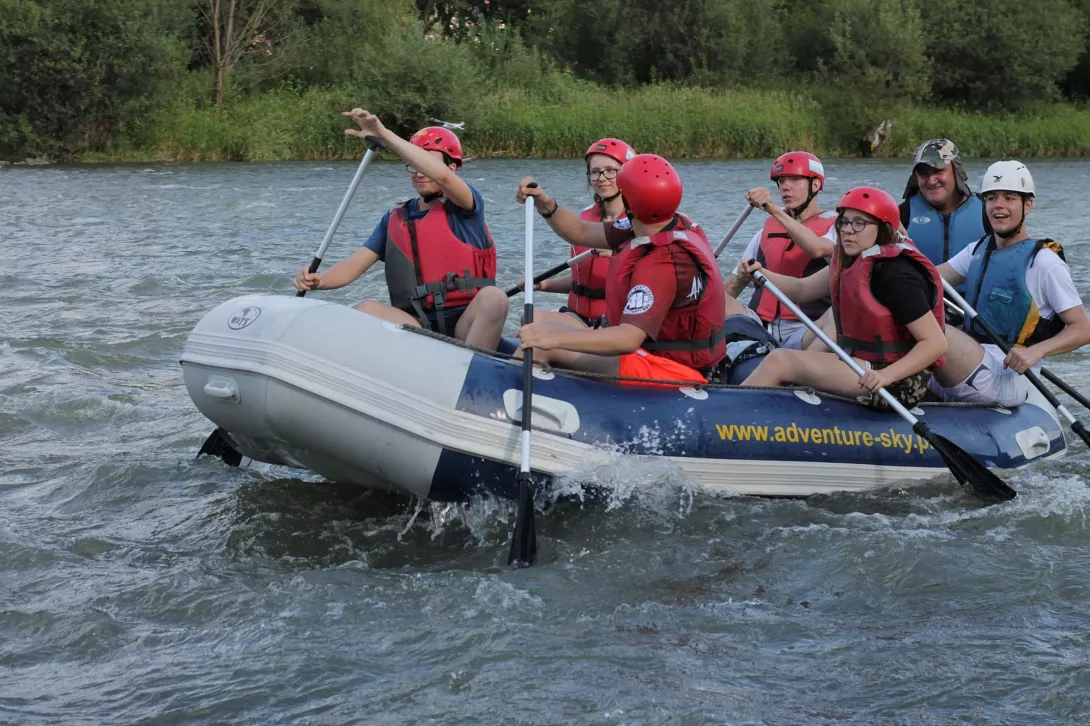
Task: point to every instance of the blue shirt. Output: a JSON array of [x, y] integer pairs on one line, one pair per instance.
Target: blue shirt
[[468, 226]]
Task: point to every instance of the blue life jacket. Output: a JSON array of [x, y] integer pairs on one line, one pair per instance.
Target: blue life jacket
[[941, 236], [996, 287]]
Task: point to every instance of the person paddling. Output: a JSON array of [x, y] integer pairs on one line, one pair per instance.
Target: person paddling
[[664, 301], [440, 259], [1018, 284], [796, 240], [586, 285], [940, 213], [887, 305]]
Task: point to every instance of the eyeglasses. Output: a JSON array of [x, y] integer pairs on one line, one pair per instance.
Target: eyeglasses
[[858, 224], [411, 169], [609, 173]]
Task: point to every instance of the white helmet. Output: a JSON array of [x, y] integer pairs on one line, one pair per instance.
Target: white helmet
[[1007, 176]]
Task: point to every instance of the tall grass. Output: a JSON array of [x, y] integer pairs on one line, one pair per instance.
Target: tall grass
[[674, 122]]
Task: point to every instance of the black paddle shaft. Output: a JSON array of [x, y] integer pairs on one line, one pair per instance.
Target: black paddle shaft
[[1037, 383]]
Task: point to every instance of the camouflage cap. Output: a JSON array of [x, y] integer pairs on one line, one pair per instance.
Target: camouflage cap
[[938, 153]]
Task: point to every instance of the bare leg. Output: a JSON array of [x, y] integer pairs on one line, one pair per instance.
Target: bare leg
[[555, 318], [387, 312], [963, 355], [733, 307], [811, 342], [823, 371], [482, 322]]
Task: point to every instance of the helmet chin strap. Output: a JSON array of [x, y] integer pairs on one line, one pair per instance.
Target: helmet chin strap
[[429, 198], [796, 211]]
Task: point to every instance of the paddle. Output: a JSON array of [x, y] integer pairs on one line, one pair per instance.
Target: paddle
[[554, 271], [974, 319], [734, 229], [376, 144], [524, 539], [964, 467]]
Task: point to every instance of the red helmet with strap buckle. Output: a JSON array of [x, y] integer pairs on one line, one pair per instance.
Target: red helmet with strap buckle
[[615, 149], [872, 201], [437, 138], [650, 187], [798, 163]]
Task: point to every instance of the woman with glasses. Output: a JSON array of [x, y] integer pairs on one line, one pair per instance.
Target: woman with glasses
[[440, 260], [887, 304], [586, 285]]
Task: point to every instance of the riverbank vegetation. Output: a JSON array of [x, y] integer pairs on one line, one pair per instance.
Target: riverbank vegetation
[[103, 80]]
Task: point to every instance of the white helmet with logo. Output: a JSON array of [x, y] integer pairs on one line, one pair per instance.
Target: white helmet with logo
[[1007, 176]]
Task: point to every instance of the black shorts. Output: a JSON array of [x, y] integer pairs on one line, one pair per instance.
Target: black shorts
[[451, 316], [596, 323]]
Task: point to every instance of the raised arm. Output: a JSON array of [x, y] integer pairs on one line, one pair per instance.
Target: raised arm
[[567, 224], [422, 160], [802, 235]]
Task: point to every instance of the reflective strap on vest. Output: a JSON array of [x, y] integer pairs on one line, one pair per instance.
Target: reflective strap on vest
[[591, 293], [706, 344]]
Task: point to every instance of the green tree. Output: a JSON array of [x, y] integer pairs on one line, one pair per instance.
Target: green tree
[[74, 70], [1077, 83], [1002, 54]]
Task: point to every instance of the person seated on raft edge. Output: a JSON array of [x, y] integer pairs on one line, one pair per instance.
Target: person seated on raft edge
[[440, 259], [664, 305], [586, 284], [887, 305], [1021, 286]]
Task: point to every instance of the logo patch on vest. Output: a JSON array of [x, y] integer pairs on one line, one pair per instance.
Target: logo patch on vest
[[640, 300], [921, 220], [622, 223]]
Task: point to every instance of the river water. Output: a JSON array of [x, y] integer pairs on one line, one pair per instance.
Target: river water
[[143, 587]]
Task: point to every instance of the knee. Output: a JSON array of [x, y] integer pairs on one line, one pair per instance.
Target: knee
[[371, 307], [492, 301]]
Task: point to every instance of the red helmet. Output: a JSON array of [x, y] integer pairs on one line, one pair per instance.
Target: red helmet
[[439, 139], [615, 149], [874, 202], [798, 163], [650, 187]]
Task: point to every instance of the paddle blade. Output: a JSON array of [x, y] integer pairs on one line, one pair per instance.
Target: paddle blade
[[524, 540], [967, 470], [217, 445]]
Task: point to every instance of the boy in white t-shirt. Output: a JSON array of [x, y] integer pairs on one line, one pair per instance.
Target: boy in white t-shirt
[[1022, 287]]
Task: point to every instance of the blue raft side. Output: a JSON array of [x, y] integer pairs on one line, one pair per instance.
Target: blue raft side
[[734, 424]]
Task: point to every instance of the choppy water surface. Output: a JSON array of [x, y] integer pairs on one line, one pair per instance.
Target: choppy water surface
[[141, 586]]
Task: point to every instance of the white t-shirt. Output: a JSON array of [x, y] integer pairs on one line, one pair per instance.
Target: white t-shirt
[[1048, 280], [754, 246]]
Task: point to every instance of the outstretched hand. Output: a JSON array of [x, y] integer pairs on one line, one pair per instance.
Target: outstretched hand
[[369, 124]]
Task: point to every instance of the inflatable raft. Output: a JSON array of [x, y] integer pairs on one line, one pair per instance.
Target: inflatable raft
[[316, 385]]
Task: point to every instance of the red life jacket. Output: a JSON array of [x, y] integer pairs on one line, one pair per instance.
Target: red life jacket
[[692, 334], [588, 278], [866, 328], [427, 267], [779, 253]]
